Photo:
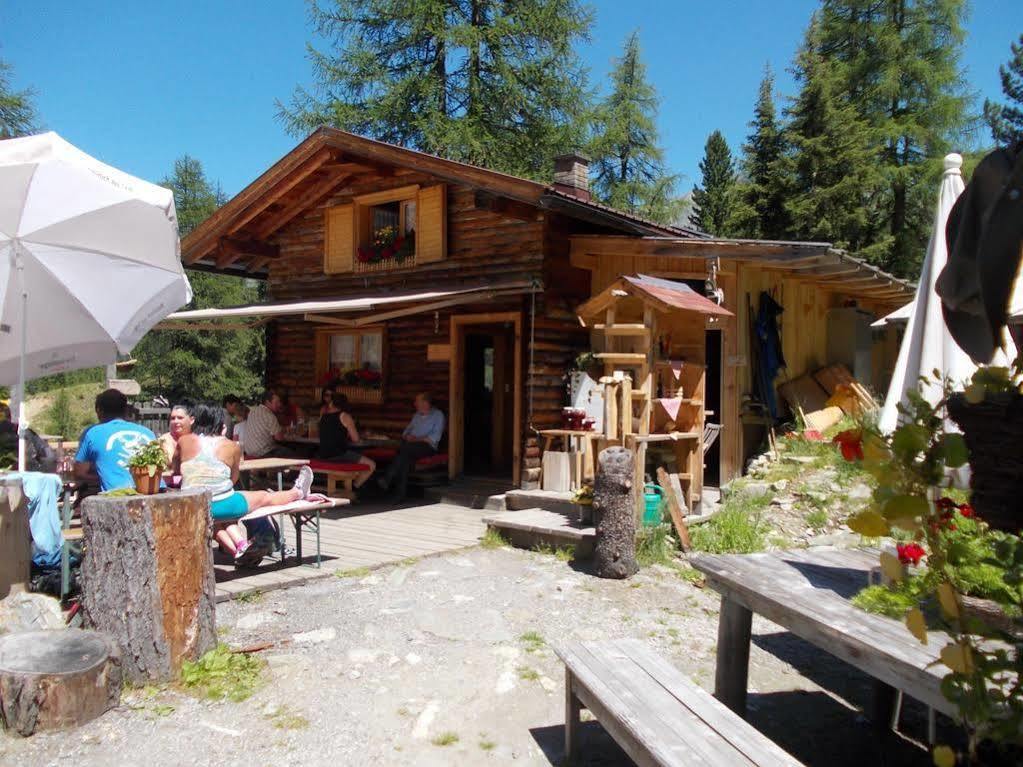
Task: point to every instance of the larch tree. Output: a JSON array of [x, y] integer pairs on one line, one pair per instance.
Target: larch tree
[[495, 83], [628, 167], [1006, 120], [714, 199], [17, 111], [899, 63], [829, 161], [762, 213], [196, 364]]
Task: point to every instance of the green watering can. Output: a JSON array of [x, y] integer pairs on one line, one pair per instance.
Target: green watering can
[[651, 505]]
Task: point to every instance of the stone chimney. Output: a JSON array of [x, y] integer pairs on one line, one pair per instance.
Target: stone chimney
[[572, 175]]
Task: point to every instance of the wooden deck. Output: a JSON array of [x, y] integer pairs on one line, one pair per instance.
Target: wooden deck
[[363, 536]]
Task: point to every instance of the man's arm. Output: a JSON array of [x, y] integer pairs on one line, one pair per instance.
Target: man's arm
[[436, 429], [85, 470]]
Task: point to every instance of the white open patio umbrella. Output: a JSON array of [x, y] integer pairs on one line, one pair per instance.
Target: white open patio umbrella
[[927, 345], [89, 261]]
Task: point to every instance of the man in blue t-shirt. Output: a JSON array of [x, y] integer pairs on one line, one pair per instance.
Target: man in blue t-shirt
[[104, 448]]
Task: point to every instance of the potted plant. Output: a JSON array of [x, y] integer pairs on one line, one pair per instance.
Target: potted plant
[[146, 466]]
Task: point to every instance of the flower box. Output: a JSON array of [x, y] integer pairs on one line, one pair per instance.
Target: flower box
[[361, 393]]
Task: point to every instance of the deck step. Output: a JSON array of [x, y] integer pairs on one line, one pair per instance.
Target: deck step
[[549, 500], [530, 528]]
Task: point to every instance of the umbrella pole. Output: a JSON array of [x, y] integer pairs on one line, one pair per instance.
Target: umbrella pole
[[22, 424]]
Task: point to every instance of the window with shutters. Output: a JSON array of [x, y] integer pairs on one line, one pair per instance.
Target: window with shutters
[[352, 361], [394, 229]]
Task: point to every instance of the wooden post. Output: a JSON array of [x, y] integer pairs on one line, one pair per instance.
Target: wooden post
[[676, 505], [572, 721], [614, 550], [52, 680], [735, 628], [147, 578], [15, 538]]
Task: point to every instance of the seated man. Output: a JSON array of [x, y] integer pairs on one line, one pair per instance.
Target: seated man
[[39, 456], [262, 429], [104, 449], [419, 440]]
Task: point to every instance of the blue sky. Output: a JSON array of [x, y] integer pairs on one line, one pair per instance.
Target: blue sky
[[139, 84]]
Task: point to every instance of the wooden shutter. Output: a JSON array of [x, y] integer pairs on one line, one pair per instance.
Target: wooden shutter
[[339, 239], [432, 224]]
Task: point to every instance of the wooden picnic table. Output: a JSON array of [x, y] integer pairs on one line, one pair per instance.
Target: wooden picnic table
[[271, 464], [807, 591]]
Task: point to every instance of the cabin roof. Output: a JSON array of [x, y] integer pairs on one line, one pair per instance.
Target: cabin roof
[[664, 295], [234, 239]]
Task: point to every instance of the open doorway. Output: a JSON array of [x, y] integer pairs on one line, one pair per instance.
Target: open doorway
[[712, 403], [486, 394]]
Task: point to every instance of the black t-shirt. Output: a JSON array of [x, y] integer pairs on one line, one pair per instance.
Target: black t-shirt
[[333, 435]]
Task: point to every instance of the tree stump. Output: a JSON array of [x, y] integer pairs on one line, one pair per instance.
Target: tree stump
[[614, 551], [147, 579], [15, 538], [52, 680]]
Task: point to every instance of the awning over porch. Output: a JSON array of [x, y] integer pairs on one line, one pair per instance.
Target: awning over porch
[[391, 305]]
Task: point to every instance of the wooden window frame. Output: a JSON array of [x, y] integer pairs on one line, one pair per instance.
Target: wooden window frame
[[362, 225], [354, 393]]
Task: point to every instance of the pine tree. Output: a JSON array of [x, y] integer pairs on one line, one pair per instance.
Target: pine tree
[[628, 162], [830, 158], [17, 112], [898, 61], [490, 82], [1006, 121], [197, 364], [714, 199], [764, 189]]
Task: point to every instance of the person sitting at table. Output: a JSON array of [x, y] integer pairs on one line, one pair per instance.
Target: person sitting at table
[[207, 459], [419, 440], [337, 435], [233, 405], [288, 414], [105, 447], [180, 423], [237, 432], [39, 456], [262, 429], [326, 396]]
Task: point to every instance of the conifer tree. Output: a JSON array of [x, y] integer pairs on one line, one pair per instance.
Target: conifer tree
[[490, 82], [628, 162], [714, 198], [764, 189], [830, 158], [1006, 120], [17, 112]]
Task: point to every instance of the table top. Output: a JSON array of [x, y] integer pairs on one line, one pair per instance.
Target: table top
[[807, 591], [569, 433], [271, 464]]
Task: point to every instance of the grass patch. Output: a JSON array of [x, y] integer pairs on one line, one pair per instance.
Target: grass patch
[[493, 539], [655, 546], [527, 674], [221, 674], [249, 597], [487, 745], [564, 553], [737, 529], [817, 519], [533, 641], [446, 739], [690, 575], [283, 718], [355, 572], [408, 562]]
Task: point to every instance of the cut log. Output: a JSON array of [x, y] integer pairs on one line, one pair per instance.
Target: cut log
[[15, 538], [677, 507], [614, 550], [147, 579], [52, 680]]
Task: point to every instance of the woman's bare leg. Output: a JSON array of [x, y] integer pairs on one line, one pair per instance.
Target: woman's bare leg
[[258, 500], [229, 537], [370, 465]]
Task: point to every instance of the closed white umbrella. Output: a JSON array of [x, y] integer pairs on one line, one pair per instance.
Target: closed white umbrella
[[89, 261], [927, 344]]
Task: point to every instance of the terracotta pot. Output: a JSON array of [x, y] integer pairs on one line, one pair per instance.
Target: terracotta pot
[[993, 430], [146, 484]]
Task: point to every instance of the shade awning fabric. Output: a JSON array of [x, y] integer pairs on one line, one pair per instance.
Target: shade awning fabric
[[360, 304]]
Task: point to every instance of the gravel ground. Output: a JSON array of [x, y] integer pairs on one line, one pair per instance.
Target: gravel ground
[[446, 661]]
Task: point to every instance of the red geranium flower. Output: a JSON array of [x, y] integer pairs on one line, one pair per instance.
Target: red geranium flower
[[910, 553], [812, 435], [967, 510], [851, 444], [945, 504]]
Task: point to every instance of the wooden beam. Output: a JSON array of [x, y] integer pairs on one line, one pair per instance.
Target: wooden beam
[[434, 306], [313, 196], [232, 249], [323, 319], [504, 206]]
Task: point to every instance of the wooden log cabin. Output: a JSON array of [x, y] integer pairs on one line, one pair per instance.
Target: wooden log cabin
[[405, 272]]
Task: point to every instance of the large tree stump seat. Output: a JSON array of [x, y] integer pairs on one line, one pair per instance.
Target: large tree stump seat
[[52, 680], [654, 712]]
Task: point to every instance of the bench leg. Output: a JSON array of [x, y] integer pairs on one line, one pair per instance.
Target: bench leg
[[735, 627], [572, 722], [885, 708], [331, 486]]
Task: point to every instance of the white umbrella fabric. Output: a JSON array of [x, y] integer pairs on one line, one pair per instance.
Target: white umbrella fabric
[[927, 344], [89, 261]]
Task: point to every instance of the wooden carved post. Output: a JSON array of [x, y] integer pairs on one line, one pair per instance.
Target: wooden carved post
[[147, 578], [614, 553], [52, 680], [15, 538]]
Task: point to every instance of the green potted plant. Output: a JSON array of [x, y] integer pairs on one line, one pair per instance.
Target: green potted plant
[[146, 466]]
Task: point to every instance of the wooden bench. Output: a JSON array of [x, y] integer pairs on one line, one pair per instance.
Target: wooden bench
[[337, 472], [654, 712]]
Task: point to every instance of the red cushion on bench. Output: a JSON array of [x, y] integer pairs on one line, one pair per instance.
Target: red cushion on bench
[[379, 453], [317, 465], [432, 460]]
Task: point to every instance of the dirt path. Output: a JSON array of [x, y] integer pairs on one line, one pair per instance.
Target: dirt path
[[386, 668]]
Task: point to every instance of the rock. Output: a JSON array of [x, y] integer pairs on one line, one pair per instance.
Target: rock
[[755, 489], [316, 636], [412, 659], [780, 485], [25, 611], [252, 620], [859, 492], [805, 460], [815, 496], [362, 655]]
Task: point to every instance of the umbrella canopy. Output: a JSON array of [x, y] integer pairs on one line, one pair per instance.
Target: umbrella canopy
[[927, 344], [89, 259]]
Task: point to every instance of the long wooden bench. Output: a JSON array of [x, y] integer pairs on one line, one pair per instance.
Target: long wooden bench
[[654, 712], [335, 472]]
